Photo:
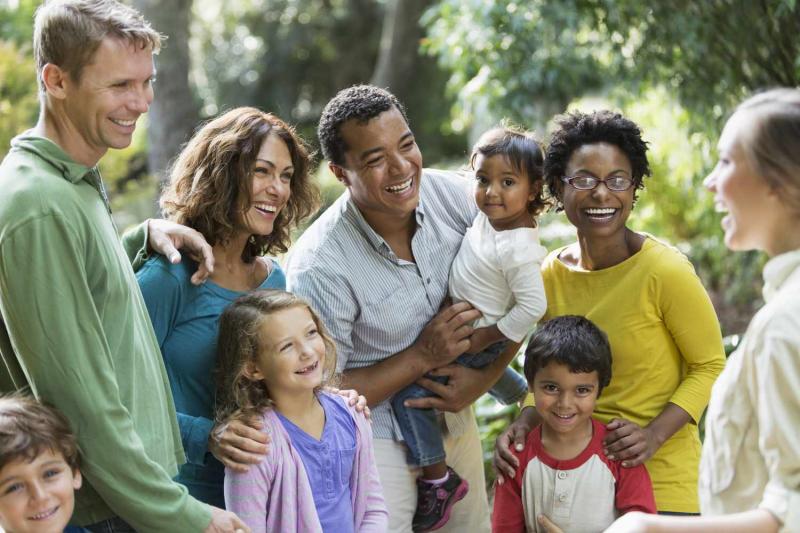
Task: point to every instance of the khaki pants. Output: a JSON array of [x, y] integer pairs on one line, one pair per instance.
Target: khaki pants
[[464, 455]]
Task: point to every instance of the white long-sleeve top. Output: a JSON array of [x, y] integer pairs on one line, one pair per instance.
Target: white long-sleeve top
[[499, 273], [751, 452]]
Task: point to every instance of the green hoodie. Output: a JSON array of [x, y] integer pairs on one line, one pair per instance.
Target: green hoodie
[[75, 330]]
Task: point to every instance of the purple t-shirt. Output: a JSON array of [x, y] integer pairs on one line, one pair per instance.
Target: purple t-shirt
[[328, 463]]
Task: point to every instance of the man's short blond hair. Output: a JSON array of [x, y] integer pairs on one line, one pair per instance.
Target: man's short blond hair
[[67, 33]]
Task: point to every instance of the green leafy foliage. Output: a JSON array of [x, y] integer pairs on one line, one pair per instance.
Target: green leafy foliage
[[18, 96]]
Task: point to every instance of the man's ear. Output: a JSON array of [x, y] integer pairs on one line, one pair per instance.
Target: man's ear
[[340, 174], [54, 79]]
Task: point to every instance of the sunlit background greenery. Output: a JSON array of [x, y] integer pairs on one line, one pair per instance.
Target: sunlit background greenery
[[676, 67]]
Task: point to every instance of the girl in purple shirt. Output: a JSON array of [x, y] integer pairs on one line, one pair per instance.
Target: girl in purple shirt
[[320, 475]]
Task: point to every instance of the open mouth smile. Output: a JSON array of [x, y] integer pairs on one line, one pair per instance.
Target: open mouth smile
[[266, 209], [600, 213], [564, 418], [44, 515], [307, 370], [400, 187], [123, 123]]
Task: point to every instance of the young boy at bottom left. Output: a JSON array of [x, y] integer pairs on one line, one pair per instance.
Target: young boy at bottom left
[[39, 467], [564, 475]]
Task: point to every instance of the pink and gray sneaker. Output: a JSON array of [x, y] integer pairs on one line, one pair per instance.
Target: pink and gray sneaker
[[434, 502]]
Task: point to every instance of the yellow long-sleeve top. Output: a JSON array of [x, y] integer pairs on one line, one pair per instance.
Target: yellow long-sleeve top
[[666, 346]]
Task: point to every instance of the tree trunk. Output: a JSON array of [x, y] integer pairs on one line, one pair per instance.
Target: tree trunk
[[174, 113], [399, 48]]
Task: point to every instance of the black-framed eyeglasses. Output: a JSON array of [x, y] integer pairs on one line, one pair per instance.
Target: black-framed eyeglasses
[[587, 183]]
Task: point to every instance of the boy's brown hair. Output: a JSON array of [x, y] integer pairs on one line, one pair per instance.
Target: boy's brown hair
[[29, 427]]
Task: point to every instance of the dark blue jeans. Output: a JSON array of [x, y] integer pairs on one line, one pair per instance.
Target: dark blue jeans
[[420, 427]]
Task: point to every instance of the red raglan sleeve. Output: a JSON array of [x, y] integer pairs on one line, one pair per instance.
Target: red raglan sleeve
[[508, 515], [634, 490]]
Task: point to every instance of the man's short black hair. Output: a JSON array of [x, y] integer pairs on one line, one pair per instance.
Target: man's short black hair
[[573, 341], [574, 130], [359, 102]]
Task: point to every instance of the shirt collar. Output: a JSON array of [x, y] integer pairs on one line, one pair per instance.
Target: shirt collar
[[353, 213], [53, 154], [778, 271]]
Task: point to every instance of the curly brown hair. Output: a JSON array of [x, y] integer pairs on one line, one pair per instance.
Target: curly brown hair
[[29, 427], [210, 185], [523, 152], [239, 397]]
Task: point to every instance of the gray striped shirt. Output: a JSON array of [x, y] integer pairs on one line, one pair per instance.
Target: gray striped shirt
[[373, 303]]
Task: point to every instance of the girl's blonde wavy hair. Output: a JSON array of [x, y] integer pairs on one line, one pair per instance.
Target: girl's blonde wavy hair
[[239, 397]]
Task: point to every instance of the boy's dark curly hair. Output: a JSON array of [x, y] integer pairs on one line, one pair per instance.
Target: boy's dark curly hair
[[570, 340], [359, 102], [576, 129]]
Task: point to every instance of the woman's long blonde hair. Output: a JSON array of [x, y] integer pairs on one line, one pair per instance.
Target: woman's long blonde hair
[[238, 395]]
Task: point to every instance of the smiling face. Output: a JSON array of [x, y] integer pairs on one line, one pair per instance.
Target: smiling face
[[102, 108], [291, 358], [37, 496], [753, 209], [599, 212], [272, 177], [564, 399], [383, 166], [502, 192]]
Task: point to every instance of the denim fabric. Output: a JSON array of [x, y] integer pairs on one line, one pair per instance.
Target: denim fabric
[[421, 428], [112, 525]]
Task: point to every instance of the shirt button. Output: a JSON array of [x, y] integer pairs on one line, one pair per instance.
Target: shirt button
[[562, 497], [562, 475], [428, 281]]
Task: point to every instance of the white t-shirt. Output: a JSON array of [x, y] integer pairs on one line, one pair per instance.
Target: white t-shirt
[[499, 273]]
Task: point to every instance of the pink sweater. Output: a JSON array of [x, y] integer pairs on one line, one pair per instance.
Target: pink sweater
[[275, 495]]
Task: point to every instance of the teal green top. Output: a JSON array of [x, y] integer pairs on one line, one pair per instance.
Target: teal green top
[[185, 318], [76, 331]]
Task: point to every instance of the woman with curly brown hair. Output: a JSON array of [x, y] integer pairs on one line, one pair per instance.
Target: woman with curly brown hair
[[242, 182]]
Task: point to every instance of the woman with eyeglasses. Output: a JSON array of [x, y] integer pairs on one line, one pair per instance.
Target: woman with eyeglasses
[[665, 339]]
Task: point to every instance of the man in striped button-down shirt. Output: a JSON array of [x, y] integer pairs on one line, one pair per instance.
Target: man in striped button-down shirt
[[375, 266]]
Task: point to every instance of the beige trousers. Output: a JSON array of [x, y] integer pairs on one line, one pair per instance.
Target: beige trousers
[[464, 455]]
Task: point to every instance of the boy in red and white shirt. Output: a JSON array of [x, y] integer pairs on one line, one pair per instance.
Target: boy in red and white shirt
[[563, 472]]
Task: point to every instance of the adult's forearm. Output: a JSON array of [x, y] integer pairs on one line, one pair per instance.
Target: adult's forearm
[[745, 522], [383, 379], [668, 422]]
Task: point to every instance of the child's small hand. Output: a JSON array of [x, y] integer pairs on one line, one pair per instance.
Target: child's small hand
[[353, 399], [548, 525], [238, 445], [481, 338]]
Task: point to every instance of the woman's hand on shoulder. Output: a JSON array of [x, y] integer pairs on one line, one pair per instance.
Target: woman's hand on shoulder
[[353, 399], [504, 462], [238, 445], [630, 443]]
